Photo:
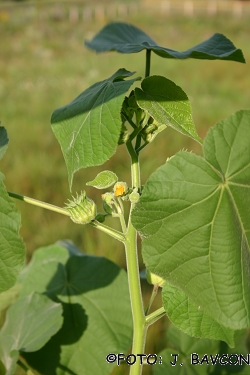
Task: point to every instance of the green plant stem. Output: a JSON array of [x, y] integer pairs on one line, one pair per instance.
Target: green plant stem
[[120, 213], [134, 126], [137, 143], [139, 320], [38, 203], [120, 204], [154, 316], [153, 295], [24, 367], [135, 166], [123, 223], [139, 149], [135, 133], [110, 231], [148, 62]]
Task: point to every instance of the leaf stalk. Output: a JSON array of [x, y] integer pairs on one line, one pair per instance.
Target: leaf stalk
[[38, 203], [154, 316]]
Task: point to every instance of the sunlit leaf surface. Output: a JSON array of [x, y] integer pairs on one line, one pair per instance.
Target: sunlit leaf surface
[[125, 38], [88, 128], [194, 220]]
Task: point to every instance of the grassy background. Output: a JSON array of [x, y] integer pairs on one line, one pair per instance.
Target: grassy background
[[44, 65]]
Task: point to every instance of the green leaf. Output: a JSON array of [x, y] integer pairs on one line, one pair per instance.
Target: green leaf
[[125, 38], [9, 296], [194, 219], [88, 128], [190, 318], [12, 250], [193, 356], [3, 141], [183, 346], [30, 323], [167, 104], [97, 316], [103, 180]]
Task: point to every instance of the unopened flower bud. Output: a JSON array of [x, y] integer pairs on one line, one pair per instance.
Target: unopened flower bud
[[134, 196], [82, 209], [100, 217], [154, 279], [120, 189], [107, 202]]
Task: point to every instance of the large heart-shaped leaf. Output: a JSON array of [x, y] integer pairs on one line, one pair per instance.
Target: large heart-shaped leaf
[[12, 250], [125, 38], [97, 316], [167, 103], [30, 323], [194, 219], [3, 141], [88, 128], [190, 318]]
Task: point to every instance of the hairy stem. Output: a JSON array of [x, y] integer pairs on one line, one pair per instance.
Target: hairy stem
[[38, 203], [154, 316], [135, 166], [153, 295], [110, 231], [139, 320]]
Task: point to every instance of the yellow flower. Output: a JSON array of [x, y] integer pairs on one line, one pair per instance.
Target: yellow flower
[[120, 189]]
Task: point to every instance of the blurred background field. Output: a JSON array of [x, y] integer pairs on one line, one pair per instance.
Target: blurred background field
[[44, 65]]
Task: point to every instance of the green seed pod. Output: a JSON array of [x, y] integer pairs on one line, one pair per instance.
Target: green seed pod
[[82, 209]]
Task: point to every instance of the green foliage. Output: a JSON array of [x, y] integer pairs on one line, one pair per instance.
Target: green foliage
[[31, 321], [192, 319], [103, 180], [88, 128], [97, 318], [167, 104], [192, 215], [194, 218], [125, 38], [3, 141], [12, 250], [186, 361]]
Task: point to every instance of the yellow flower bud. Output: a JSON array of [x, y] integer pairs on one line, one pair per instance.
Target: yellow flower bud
[[120, 189]]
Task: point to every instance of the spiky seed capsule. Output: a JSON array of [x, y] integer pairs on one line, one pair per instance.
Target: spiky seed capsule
[[82, 209]]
